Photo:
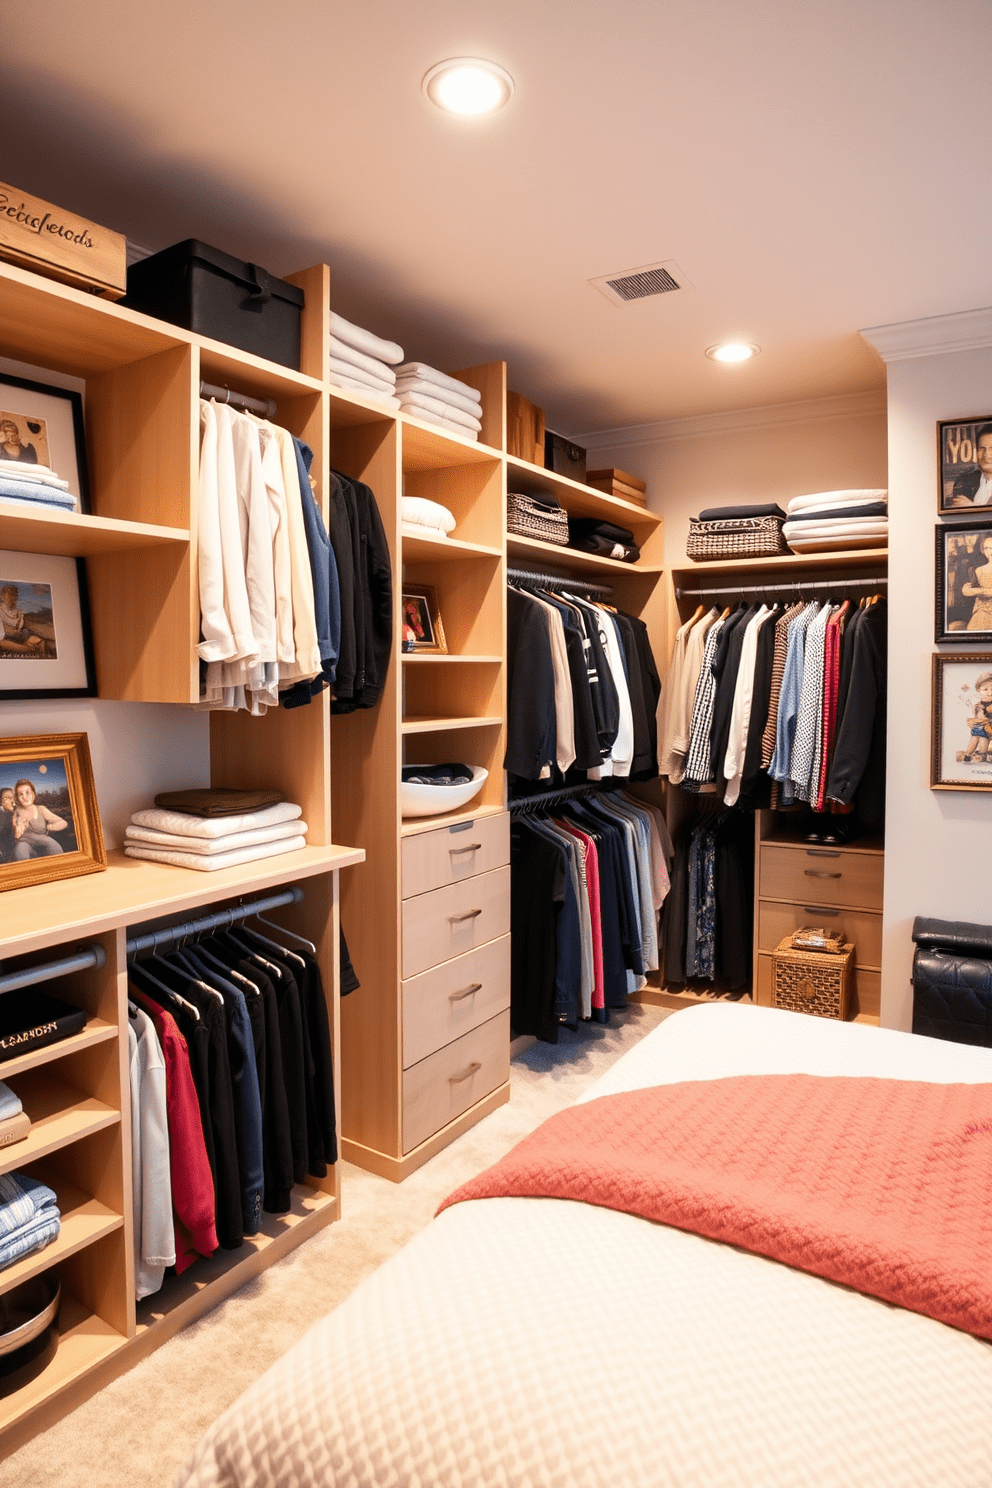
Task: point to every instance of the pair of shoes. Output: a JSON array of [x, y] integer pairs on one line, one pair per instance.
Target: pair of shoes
[[836, 835]]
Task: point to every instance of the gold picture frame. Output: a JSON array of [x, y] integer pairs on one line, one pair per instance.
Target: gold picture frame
[[49, 820], [420, 620]]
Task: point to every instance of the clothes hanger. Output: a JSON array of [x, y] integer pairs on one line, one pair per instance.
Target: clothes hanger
[[300, 939], [215, 964], [162, 990], [273, 945], [249, 951]]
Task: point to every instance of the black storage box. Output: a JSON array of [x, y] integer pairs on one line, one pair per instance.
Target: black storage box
[[204, 290], [29, 1019], [564, 457], [952, 981]]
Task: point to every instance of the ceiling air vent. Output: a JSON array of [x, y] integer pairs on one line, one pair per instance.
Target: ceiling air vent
[[643, 283]]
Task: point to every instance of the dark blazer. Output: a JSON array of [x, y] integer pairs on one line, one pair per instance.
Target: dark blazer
[[366, 579]]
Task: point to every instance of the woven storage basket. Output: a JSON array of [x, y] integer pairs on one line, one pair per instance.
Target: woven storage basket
[[817, 982], [737, 537], [536, 516]]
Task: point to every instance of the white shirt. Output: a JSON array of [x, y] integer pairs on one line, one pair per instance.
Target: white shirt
[[151, 1176], [983, 495]]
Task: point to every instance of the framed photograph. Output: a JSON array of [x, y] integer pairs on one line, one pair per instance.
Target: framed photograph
[[421, 620], [964, 452], [43, 425], [49, 822], [961, 745], [46, 648], [964, 583]]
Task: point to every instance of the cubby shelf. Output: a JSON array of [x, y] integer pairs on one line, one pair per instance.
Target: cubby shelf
[[97, 1031], [435, 658], [28, 530], [418, 546], [580, 500], [433, 725], [84, 1221], [59, 1115], [533, 548]]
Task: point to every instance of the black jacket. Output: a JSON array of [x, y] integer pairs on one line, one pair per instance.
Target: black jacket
[[365, 576]]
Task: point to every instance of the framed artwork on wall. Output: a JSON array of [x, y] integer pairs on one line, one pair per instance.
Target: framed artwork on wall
[[49, 821], [421, 620], [46, 648], [41, 428], [964, 583], [961, 721], [964, 454]]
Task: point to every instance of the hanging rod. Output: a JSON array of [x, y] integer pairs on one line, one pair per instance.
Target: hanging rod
[[264, 407], [798, 586], [85, 957], [520, 805], [216, 921], [556, 581]]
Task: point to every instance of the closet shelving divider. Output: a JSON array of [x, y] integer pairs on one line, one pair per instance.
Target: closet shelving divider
[[142, 382]]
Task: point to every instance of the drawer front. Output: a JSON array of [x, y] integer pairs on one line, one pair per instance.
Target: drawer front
[[866, 993], [448, 922], [431, 860], [821, 875], [860, 927], [449, 1082], [447, 1001]]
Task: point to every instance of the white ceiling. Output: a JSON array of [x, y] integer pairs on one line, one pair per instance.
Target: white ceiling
[[812, 168]]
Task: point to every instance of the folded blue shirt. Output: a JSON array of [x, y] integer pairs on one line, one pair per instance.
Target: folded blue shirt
[[29, 1216]]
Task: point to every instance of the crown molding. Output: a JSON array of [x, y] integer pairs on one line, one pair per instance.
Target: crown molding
[[774, 415], [967, 330]]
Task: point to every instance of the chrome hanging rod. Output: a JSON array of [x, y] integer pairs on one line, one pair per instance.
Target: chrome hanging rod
[[556, 581], [264, 407], [85, 957], [798, 586], [217, 921]]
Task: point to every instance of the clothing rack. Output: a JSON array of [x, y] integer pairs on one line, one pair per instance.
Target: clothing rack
[[85, 957], [798, 586], [217, 921], [264, 407], [524, 805], [556, 581]]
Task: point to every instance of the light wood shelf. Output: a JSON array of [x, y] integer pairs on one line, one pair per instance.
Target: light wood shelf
[[59, 1114], [429, 447], [433, 725], [412, 825], [434, 658], [97, 1031], [420, 548], [786, 563], [69, 535], [84, 1221], [85, 1342], [533, 548], [578, 499]]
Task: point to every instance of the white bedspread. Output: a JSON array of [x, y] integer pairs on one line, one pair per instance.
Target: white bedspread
[[556, 1345]]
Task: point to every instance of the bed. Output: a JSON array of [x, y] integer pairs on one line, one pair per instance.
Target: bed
[[548, 1343]]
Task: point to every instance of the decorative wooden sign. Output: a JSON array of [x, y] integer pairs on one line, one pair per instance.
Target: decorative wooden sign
[[43, 237]]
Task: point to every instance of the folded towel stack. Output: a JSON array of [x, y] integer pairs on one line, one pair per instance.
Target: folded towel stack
[[830, 520], [14, 1121], [211, 843], [37, 484], [439, 399], [421, 515], [363, 363], [29, 1216]]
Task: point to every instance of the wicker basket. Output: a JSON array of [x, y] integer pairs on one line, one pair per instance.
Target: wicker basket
[[737, 537], [817, 982], [537, 516]]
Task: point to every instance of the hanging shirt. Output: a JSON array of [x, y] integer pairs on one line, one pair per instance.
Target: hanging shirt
[[810, 704], [684, 701], [151, 1182], [792, 680], [733, 766]]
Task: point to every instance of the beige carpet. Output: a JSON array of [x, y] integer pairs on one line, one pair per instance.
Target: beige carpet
[[140, 1428]]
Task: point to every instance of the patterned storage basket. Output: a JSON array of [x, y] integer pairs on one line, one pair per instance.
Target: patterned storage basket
[[817, 982], [735, 537], [537, 516]]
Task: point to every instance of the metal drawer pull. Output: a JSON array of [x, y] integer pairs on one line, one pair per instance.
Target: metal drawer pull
[[457, 1079], [812, 873], [818, 909], [472, 847], [465, 992], [473, 912], [821, 852]]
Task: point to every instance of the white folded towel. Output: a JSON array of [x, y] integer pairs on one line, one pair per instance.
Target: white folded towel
[[431, 374], [379, 370], [166, 841], [442, 423], [443, 394], [212, 862], [418, 404], [353, 385], [824, 500], [361, 340], [359, 375], [35, 475], [184, 824], [870, 527], [418, 511]]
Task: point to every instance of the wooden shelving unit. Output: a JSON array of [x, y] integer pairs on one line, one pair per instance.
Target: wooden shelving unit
[[140, 544]]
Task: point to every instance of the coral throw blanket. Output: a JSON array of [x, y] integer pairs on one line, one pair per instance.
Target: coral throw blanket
[[883, 1185]]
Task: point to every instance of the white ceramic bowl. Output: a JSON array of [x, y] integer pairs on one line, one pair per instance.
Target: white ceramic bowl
[[431, 800]]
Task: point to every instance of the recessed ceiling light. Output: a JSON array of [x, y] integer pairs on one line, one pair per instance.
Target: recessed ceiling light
[[468, 85], [733, 351]]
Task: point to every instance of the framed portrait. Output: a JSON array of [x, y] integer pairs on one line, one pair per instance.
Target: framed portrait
[[42, 425], [964, 453], [964, 583], [961, 745], [421, 620], [46, 647], [49, 822]]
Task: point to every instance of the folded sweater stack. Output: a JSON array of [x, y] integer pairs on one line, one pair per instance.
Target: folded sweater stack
[[439, 399], [363, 363], [22, 481], [211, 843], [829, 520], [29, 1216]]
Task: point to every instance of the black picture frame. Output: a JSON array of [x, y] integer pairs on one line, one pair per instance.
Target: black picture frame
[[959, 473], [62, 408], [962, 602], [26, 674]]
